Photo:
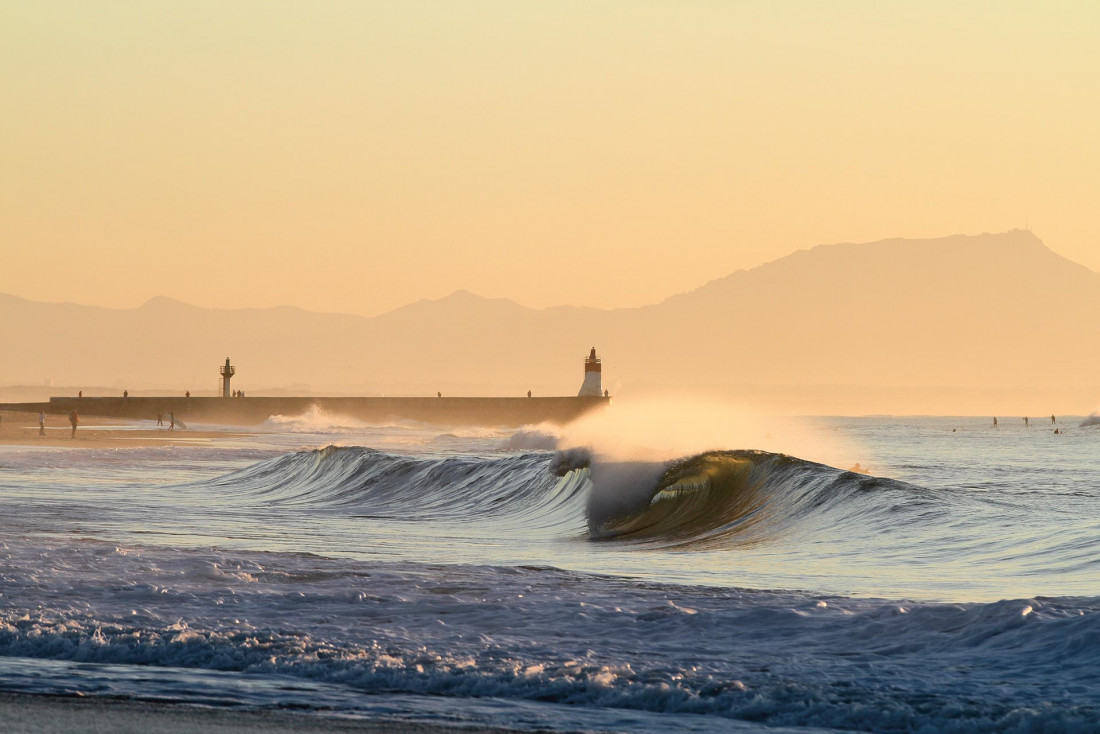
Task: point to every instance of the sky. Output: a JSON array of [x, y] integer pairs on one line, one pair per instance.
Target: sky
[[357, 156]]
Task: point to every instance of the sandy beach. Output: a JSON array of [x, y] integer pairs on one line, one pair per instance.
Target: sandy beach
[[21, 429], [30, 714]]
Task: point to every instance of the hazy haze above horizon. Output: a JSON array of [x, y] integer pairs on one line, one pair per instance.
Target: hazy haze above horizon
[[356, 157]]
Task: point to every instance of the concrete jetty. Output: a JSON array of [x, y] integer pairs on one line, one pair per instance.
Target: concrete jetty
[[248, 411]]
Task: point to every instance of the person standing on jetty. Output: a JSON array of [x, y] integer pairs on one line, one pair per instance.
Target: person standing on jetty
[[74, 419], [41, 423]]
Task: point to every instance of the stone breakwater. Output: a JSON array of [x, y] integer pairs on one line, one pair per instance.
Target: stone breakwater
[[255, 410]]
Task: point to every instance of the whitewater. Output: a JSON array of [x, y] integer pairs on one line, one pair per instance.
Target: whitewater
[[533, 581]]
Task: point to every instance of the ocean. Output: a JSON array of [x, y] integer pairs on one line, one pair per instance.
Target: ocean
[[692, 579]]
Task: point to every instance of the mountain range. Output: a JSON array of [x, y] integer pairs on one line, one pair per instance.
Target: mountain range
[[960, 316]]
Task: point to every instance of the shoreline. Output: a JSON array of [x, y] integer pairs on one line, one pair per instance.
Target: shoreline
[[31, 713], [19, 428]]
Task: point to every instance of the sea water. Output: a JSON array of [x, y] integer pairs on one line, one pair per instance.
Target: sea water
[[496, 578]]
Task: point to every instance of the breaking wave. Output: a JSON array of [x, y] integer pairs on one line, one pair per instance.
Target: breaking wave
[[714, 499]]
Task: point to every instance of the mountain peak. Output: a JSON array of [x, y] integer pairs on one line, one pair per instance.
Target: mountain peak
[[163, 302]]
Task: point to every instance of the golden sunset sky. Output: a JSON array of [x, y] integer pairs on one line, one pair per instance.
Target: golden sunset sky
[[357, 156]]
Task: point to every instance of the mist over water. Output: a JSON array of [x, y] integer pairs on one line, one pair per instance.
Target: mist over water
[[644, 562]]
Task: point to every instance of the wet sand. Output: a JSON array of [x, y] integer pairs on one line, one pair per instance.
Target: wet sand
[[31, 714], [21, 429]]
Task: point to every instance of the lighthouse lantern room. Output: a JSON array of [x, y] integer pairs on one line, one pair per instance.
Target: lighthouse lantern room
[[593, 380]]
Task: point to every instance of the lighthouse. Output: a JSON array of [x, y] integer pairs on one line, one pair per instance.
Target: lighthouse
[[593, 380], [227, 374]]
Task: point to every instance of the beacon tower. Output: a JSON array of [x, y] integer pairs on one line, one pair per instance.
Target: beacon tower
[[593, 380], [227, 373]]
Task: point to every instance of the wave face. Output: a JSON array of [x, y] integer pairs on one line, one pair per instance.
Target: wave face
[[362, 482]]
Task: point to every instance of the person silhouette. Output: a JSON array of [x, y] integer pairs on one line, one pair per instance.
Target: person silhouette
[[1027, 423]]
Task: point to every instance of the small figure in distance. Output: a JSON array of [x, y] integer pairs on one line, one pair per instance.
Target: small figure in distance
[[1053, 420], [80, 394], [528, 393], [160, 419], [240, 393], [172, 421], [41, 423], [606, 394], [1027, 423], [994, 421], [439, 394], [187, 394], [125, 393], [74, 419]]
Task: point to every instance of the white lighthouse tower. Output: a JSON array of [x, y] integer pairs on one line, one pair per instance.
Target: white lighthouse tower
[[227, 373], [593, 379]]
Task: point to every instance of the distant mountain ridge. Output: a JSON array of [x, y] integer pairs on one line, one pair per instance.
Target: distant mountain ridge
[[991, 311]]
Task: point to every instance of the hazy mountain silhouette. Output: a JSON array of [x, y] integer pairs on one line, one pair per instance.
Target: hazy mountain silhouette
[[992, 311]]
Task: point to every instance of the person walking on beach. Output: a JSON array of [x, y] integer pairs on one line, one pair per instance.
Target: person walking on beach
[[74, 419], [172, 421], [41, 423], [160, 419]]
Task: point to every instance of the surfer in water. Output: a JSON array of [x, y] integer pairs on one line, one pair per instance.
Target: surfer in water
[[994, 421], [1027, 424]]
